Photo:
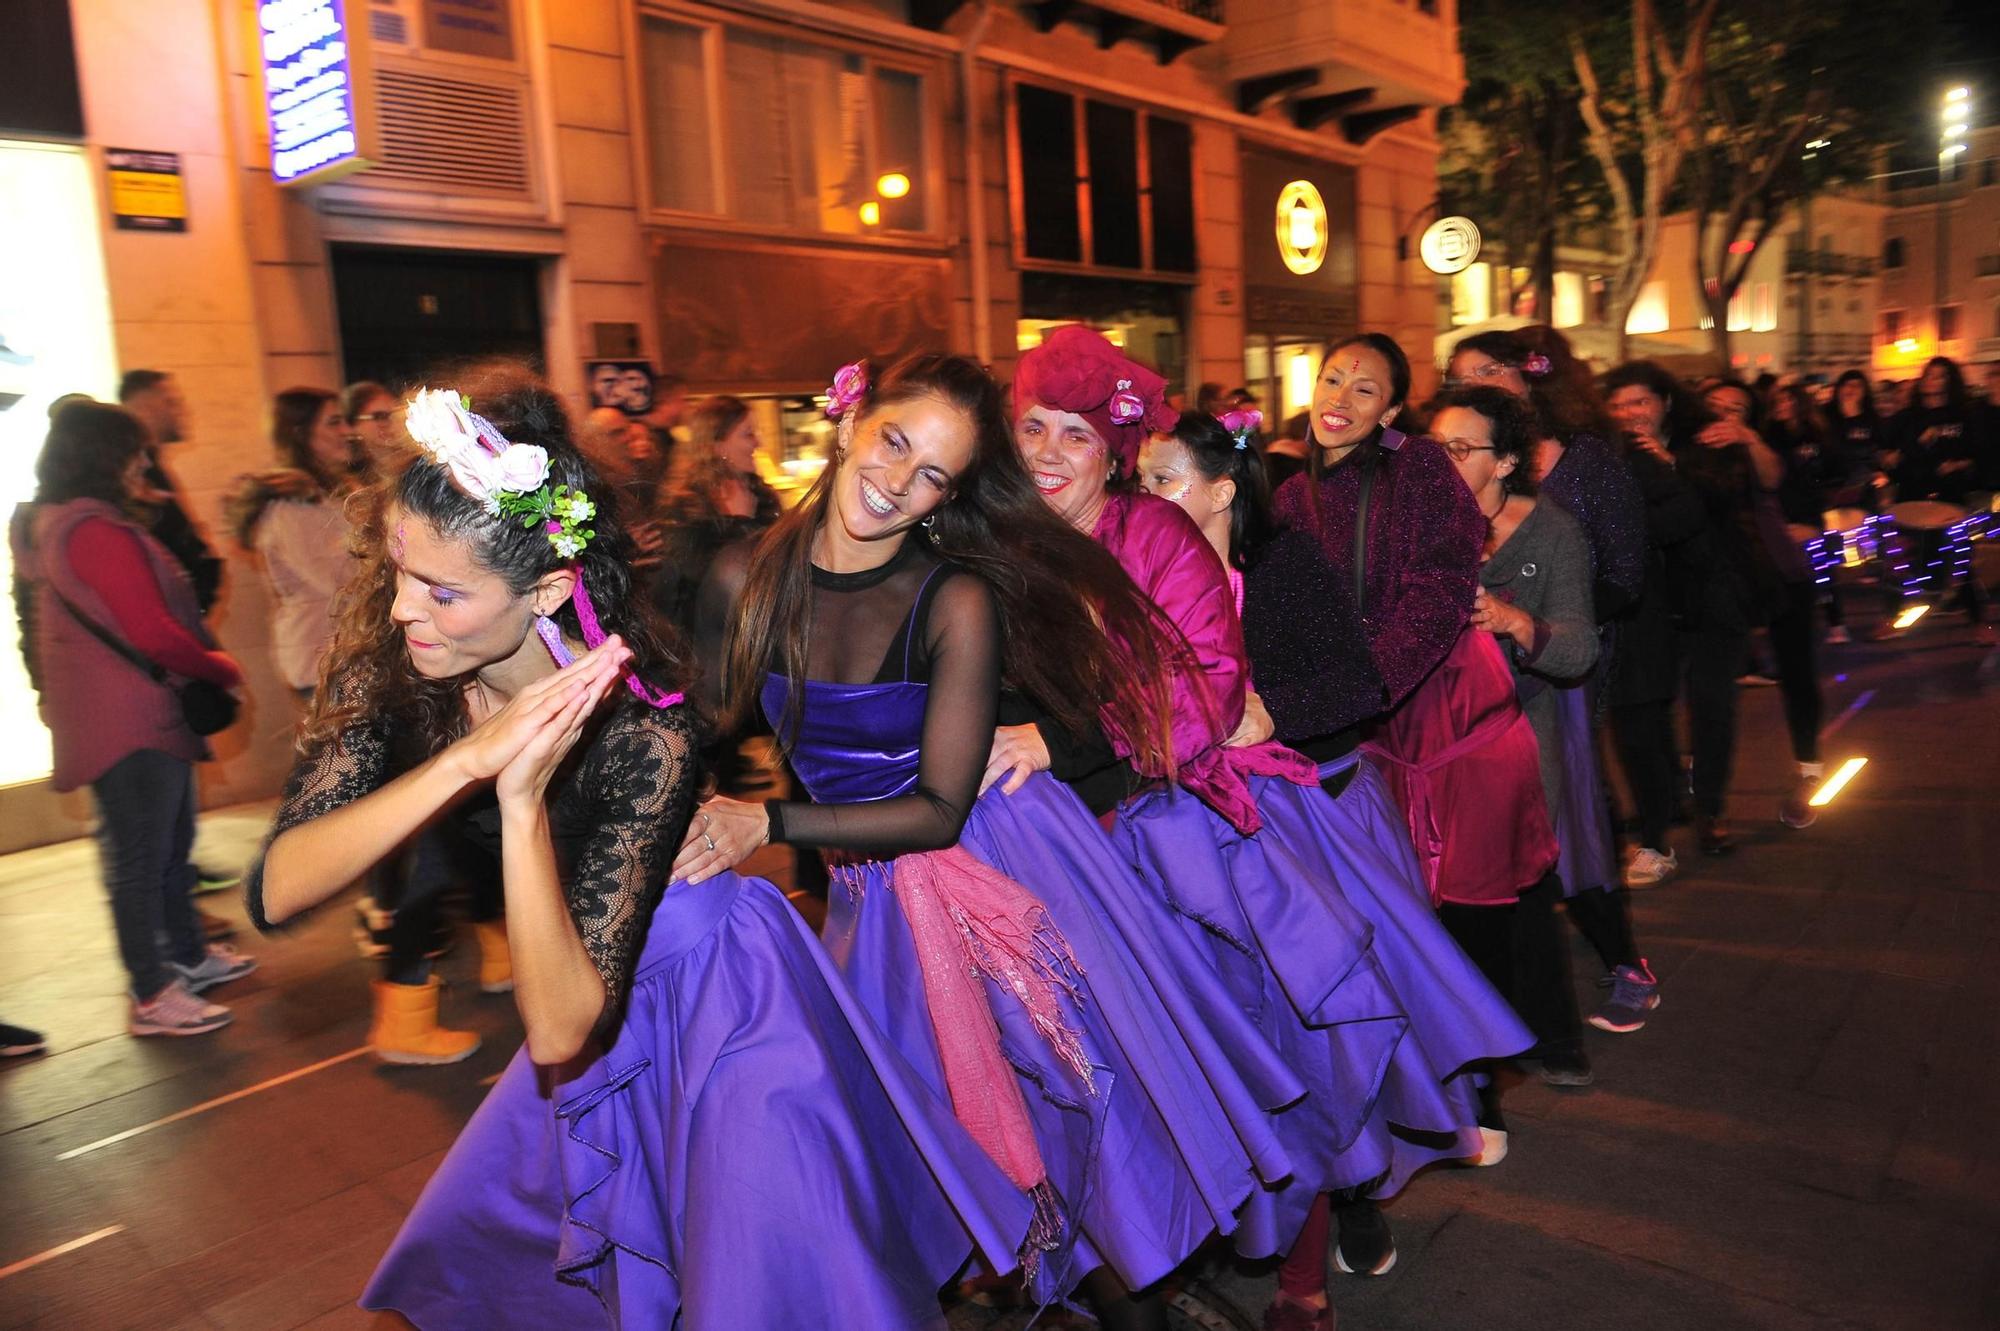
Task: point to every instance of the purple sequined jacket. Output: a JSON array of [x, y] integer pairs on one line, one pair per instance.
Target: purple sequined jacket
[[1425, 538], [1591, 481]]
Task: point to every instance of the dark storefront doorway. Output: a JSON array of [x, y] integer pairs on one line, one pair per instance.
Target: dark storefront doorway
[[407, 315]]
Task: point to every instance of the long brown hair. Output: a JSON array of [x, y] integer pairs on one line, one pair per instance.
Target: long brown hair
[[367, 675], [1079, 637], [697, 477]]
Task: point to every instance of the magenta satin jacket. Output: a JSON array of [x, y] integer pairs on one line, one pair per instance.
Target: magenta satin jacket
[[1173, 564]]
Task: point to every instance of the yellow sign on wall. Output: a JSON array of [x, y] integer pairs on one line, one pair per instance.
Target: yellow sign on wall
[[147, 191], [1301, 227]]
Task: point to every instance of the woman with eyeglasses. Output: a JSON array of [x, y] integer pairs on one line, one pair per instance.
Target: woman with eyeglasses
[[375, 421], [1576, 467]]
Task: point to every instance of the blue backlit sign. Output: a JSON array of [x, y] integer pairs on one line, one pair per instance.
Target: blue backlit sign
[[315, 90]]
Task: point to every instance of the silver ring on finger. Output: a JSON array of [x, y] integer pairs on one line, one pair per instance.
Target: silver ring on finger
[[708, 840]]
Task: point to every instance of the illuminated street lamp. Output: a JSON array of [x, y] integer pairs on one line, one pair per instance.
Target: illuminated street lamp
[[1954, 117]]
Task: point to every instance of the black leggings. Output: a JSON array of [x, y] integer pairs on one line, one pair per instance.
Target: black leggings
[[1604, 918], [1644, 735], [1522, 952], [1792, 634], [1711, 660]]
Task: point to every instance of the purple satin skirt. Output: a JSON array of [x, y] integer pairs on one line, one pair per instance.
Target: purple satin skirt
[[1321, 927], [1176, 1132], [1589, 858], [749, 1152]]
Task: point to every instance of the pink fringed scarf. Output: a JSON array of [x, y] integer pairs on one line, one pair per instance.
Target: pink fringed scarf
[[968, 919]]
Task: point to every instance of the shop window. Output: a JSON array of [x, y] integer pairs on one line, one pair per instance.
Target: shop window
[[1739, 311], [774, 132], [1170, 160], [1649, 312], [1763, 309], [1094, 178], [1472, 294], [1568, 303], [1109, 134], [1046, 125], [1892, 252]]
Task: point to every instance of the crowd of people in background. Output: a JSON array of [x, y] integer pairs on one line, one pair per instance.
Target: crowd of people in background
[[1337, 691]]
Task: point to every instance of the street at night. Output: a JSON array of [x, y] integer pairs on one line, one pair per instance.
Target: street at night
[[1796, 1140]]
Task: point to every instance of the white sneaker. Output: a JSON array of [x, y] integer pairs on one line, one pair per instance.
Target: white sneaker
[[222, 964], [1492, 1148], [176, 1011], [1650, 868]]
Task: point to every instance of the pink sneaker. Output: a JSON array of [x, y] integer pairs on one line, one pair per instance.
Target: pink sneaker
[[176, 1011]]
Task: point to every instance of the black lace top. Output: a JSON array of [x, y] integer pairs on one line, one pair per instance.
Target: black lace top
[[619, 809]]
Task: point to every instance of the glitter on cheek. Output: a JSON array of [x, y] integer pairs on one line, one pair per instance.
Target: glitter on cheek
[[1175, 497]]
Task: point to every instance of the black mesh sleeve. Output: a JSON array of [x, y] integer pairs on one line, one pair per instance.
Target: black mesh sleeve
[[637, 781], [962, 635], [354, 763]]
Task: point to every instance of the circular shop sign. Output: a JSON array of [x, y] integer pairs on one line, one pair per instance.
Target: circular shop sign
[[1301, 227], [1450, 244]]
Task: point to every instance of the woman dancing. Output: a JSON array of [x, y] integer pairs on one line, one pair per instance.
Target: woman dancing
[[1247, 861], [998, 938], [702, 1130]]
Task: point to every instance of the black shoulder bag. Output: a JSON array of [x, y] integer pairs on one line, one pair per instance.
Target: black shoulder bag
[[206, 707]]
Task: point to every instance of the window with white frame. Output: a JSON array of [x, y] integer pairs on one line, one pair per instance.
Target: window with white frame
[[768, 130]]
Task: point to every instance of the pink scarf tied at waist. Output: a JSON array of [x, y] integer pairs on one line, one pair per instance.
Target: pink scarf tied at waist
[[969, 919], [1425, 829]]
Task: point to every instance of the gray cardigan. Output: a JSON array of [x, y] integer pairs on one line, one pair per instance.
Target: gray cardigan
[[1544, 569]]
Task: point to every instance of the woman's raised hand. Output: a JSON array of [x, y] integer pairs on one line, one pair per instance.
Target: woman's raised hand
[[501, 738]]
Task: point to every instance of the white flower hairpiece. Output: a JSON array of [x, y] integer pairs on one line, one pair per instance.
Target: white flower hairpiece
[[504, 476]]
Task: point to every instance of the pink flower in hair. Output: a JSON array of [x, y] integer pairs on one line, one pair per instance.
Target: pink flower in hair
[[849, 386], [1242, 424], [1127, 407], [1537, 365]]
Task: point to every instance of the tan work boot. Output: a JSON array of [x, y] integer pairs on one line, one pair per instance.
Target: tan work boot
[[406, 1026], [496, 963]]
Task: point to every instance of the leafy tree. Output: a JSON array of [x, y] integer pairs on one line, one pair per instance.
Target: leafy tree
[[1783, 74]]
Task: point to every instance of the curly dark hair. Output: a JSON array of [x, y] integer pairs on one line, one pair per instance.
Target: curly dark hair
[[1515, 431], [367, 671]]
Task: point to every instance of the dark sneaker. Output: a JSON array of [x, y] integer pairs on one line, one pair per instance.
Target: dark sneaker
[[1567, 1066], [19, 1041], [1634, 993], [1364, 1245], [1796, 810], [1714, 836]]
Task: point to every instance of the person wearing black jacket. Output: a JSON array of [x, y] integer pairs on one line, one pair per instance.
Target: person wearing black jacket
[[1938, 448], [155, 398]]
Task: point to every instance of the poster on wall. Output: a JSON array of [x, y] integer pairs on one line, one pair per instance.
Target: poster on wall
[[624, 384], [470, 27], [147, 192]]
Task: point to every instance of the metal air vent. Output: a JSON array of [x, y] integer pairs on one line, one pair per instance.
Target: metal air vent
[[446, 133]]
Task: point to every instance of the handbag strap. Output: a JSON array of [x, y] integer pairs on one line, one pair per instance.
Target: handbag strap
[[157, 671]]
